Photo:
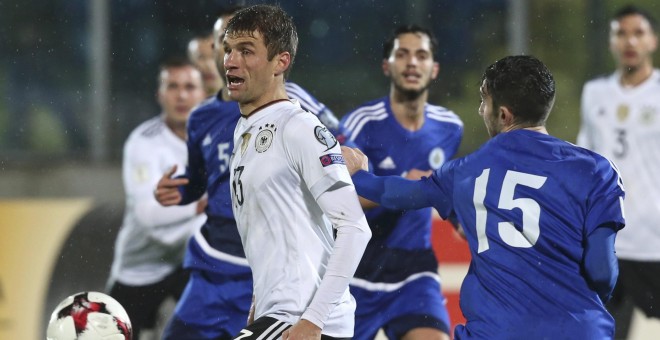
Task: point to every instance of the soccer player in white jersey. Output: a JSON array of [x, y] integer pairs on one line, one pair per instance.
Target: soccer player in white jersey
[[291, 191], [220, 281], [149, 249], [621, 120], [396, 285]]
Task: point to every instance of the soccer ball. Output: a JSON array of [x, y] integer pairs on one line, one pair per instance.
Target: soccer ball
[[89, 316]]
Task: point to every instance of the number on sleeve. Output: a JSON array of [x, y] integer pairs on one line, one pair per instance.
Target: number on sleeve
[[531, 211]]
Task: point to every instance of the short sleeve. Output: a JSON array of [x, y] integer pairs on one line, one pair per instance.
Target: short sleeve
[[315, 154], [605, 205]]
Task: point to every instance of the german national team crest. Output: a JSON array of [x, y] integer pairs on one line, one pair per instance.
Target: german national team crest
[[264, 137], [622, 112], [325, 137], [436, 158], [648, 115]]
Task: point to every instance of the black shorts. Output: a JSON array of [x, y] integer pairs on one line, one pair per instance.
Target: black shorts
[[267, 328], [640, 281], [142, 302]]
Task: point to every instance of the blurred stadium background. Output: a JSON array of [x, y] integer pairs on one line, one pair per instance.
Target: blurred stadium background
[[78, 75]]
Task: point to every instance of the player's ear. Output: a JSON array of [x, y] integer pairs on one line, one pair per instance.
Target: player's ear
[[386, 67], [159, 97], [505, 116], [435, 70], [283, 62], [655, 43]]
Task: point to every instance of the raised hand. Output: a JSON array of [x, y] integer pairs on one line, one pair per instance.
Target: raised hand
[[167, 191]]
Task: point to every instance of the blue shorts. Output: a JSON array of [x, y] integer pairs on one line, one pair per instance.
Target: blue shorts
[[213, 306], [419, 303]]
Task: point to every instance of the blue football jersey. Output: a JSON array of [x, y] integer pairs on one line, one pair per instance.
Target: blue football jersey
[[401, 241], [210, 143], [527, 201]]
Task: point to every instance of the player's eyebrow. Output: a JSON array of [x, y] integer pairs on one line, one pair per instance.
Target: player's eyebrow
[[245, 44]]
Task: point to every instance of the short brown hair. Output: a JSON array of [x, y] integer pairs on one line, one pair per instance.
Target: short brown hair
[[275, 25]]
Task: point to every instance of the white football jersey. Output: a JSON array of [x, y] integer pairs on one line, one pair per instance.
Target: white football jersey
[[152, 239], [623, 124], [283, 160]]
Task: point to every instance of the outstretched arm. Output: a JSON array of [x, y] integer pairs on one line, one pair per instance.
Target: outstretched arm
[[392, 192]]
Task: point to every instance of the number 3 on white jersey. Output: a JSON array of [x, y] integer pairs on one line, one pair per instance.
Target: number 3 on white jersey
[[531, 211]]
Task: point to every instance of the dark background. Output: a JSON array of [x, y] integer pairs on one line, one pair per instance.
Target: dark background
[[45, 49]]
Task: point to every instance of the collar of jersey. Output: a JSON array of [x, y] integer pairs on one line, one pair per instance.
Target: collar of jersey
[[260, 108]]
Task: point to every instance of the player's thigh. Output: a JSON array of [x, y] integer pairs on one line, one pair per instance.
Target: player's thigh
[[372, 312], [176, 282], [419, 304], [140, 302], [213, 305]]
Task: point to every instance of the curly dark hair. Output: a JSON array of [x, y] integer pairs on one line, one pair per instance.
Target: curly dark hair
[[524, 85]]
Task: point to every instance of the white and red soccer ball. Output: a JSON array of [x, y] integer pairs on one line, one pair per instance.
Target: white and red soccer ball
[[89, 316]]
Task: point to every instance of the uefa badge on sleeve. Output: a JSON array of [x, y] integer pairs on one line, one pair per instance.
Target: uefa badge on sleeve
[[325, 137], [332, 158]]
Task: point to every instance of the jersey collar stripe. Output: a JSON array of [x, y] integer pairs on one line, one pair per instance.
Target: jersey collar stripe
[[295, 92], [445, 118], [362, 123], [365, 111]]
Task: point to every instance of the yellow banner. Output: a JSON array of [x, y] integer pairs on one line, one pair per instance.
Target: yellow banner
[[31, 234]]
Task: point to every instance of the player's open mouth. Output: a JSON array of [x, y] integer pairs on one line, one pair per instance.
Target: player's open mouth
[[183, 109], [234, 81], [411, 76], [630, 54]]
